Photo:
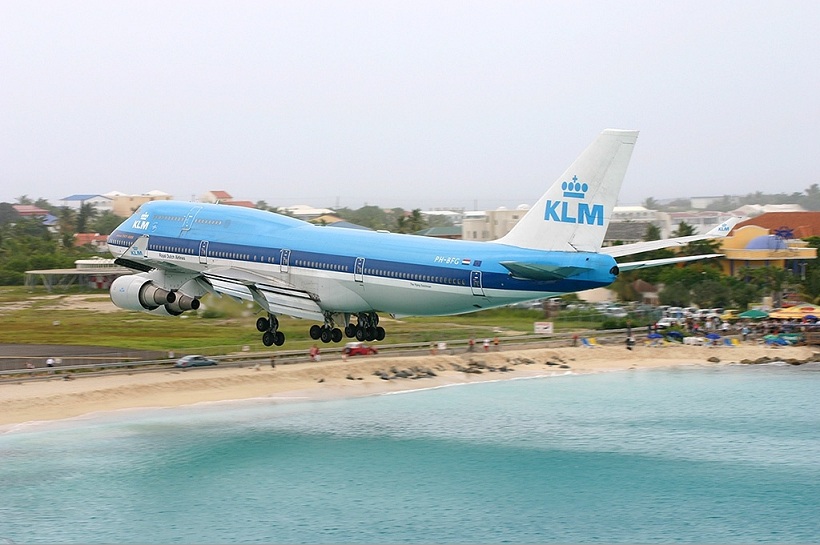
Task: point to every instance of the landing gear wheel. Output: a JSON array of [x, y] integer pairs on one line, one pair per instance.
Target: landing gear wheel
[[370, 334], [350, 331], [279, 338], [326, 335], [359, 334], [315, 332], [336, 334], [380, 333], [268, 338], [262, 324]]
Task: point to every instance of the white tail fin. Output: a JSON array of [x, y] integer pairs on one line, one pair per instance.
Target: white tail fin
[[573, 215]]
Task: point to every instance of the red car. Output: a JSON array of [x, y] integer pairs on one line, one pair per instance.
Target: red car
[[358, 349]]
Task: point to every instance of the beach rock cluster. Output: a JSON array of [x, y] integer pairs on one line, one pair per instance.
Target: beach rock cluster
[[559, 362], [415, 372], [478, 367], [791, 361]]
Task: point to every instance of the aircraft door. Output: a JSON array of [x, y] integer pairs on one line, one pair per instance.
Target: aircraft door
[[475, 283], [203, 252], [189, 219], [284, 261], [358, 270]]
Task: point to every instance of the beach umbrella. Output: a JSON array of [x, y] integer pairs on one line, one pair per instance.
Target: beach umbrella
[[753, 314], [675, 334], [712, 336], [654, 336], [810, 317]]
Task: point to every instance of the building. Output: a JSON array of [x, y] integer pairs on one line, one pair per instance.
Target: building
[[215, 196], [451, 232], [752, 246], [95, 240], [95, 273], [101, 203], [492, 224], [787, 224], [125, 205], [30, 211], [305, 212]]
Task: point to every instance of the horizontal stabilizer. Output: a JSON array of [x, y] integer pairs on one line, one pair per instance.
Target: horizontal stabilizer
[[658, 262], [534, 271], [639, 247]]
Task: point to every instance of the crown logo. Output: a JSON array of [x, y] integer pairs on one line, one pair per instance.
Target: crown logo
[[144, 216], [574, 189]]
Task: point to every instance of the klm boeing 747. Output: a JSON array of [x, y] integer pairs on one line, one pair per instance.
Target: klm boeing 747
[[184, 250]]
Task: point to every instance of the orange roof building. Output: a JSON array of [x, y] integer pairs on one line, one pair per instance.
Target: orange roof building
[[787, 224]]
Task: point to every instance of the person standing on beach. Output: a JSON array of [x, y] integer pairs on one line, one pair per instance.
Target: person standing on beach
[[314, 353], [486, 345]]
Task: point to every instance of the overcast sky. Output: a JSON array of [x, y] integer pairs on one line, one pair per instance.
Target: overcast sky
[[411, 104]]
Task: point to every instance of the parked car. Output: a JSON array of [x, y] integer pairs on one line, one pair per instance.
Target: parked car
[[730, 315], [358, 349], [194, 361], [667, 322], [615, 312]]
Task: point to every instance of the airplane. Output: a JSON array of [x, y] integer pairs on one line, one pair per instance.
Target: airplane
[[184, 250]]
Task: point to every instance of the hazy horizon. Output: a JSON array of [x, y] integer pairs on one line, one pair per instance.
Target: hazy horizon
[[403, 104]]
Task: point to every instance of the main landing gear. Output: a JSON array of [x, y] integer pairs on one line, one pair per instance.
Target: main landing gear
[[366, 329], [270, 331]]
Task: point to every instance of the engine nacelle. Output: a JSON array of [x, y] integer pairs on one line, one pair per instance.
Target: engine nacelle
[[137, 292]]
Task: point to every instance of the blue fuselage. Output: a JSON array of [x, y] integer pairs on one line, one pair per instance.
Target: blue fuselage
[[352, 270]]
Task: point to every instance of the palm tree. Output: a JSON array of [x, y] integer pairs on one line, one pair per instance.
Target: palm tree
[[86, 213], [412, 222], [67, 224], [651, 204]]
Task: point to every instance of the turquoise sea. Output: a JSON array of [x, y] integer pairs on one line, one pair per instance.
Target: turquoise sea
[[685, 455]]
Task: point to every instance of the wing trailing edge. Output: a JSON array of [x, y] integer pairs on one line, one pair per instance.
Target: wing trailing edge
[[633, 265]]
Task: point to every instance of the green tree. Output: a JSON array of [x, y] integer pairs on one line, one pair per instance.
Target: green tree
[[696, 247], [411, 223], [651, 204], [105, 223], [653, 232], [675, 294], [366, 216], [8, 214], [711, 293], [85, 215], [771, 280], [67, 225]]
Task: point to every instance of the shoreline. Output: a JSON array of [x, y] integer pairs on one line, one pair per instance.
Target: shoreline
[[58, 399]]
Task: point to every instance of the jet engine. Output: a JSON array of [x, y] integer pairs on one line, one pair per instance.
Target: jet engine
[[137, 292]]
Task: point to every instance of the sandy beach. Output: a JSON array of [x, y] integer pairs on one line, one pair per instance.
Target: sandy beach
[[360, 376]]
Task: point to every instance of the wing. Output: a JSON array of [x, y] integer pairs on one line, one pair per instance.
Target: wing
[[272, 294], [639, 247]]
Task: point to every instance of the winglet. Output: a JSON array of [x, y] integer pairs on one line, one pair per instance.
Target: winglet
[[724, 228], [574, 213]]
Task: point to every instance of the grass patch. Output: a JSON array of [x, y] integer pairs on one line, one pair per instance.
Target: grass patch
[[223, 325]]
